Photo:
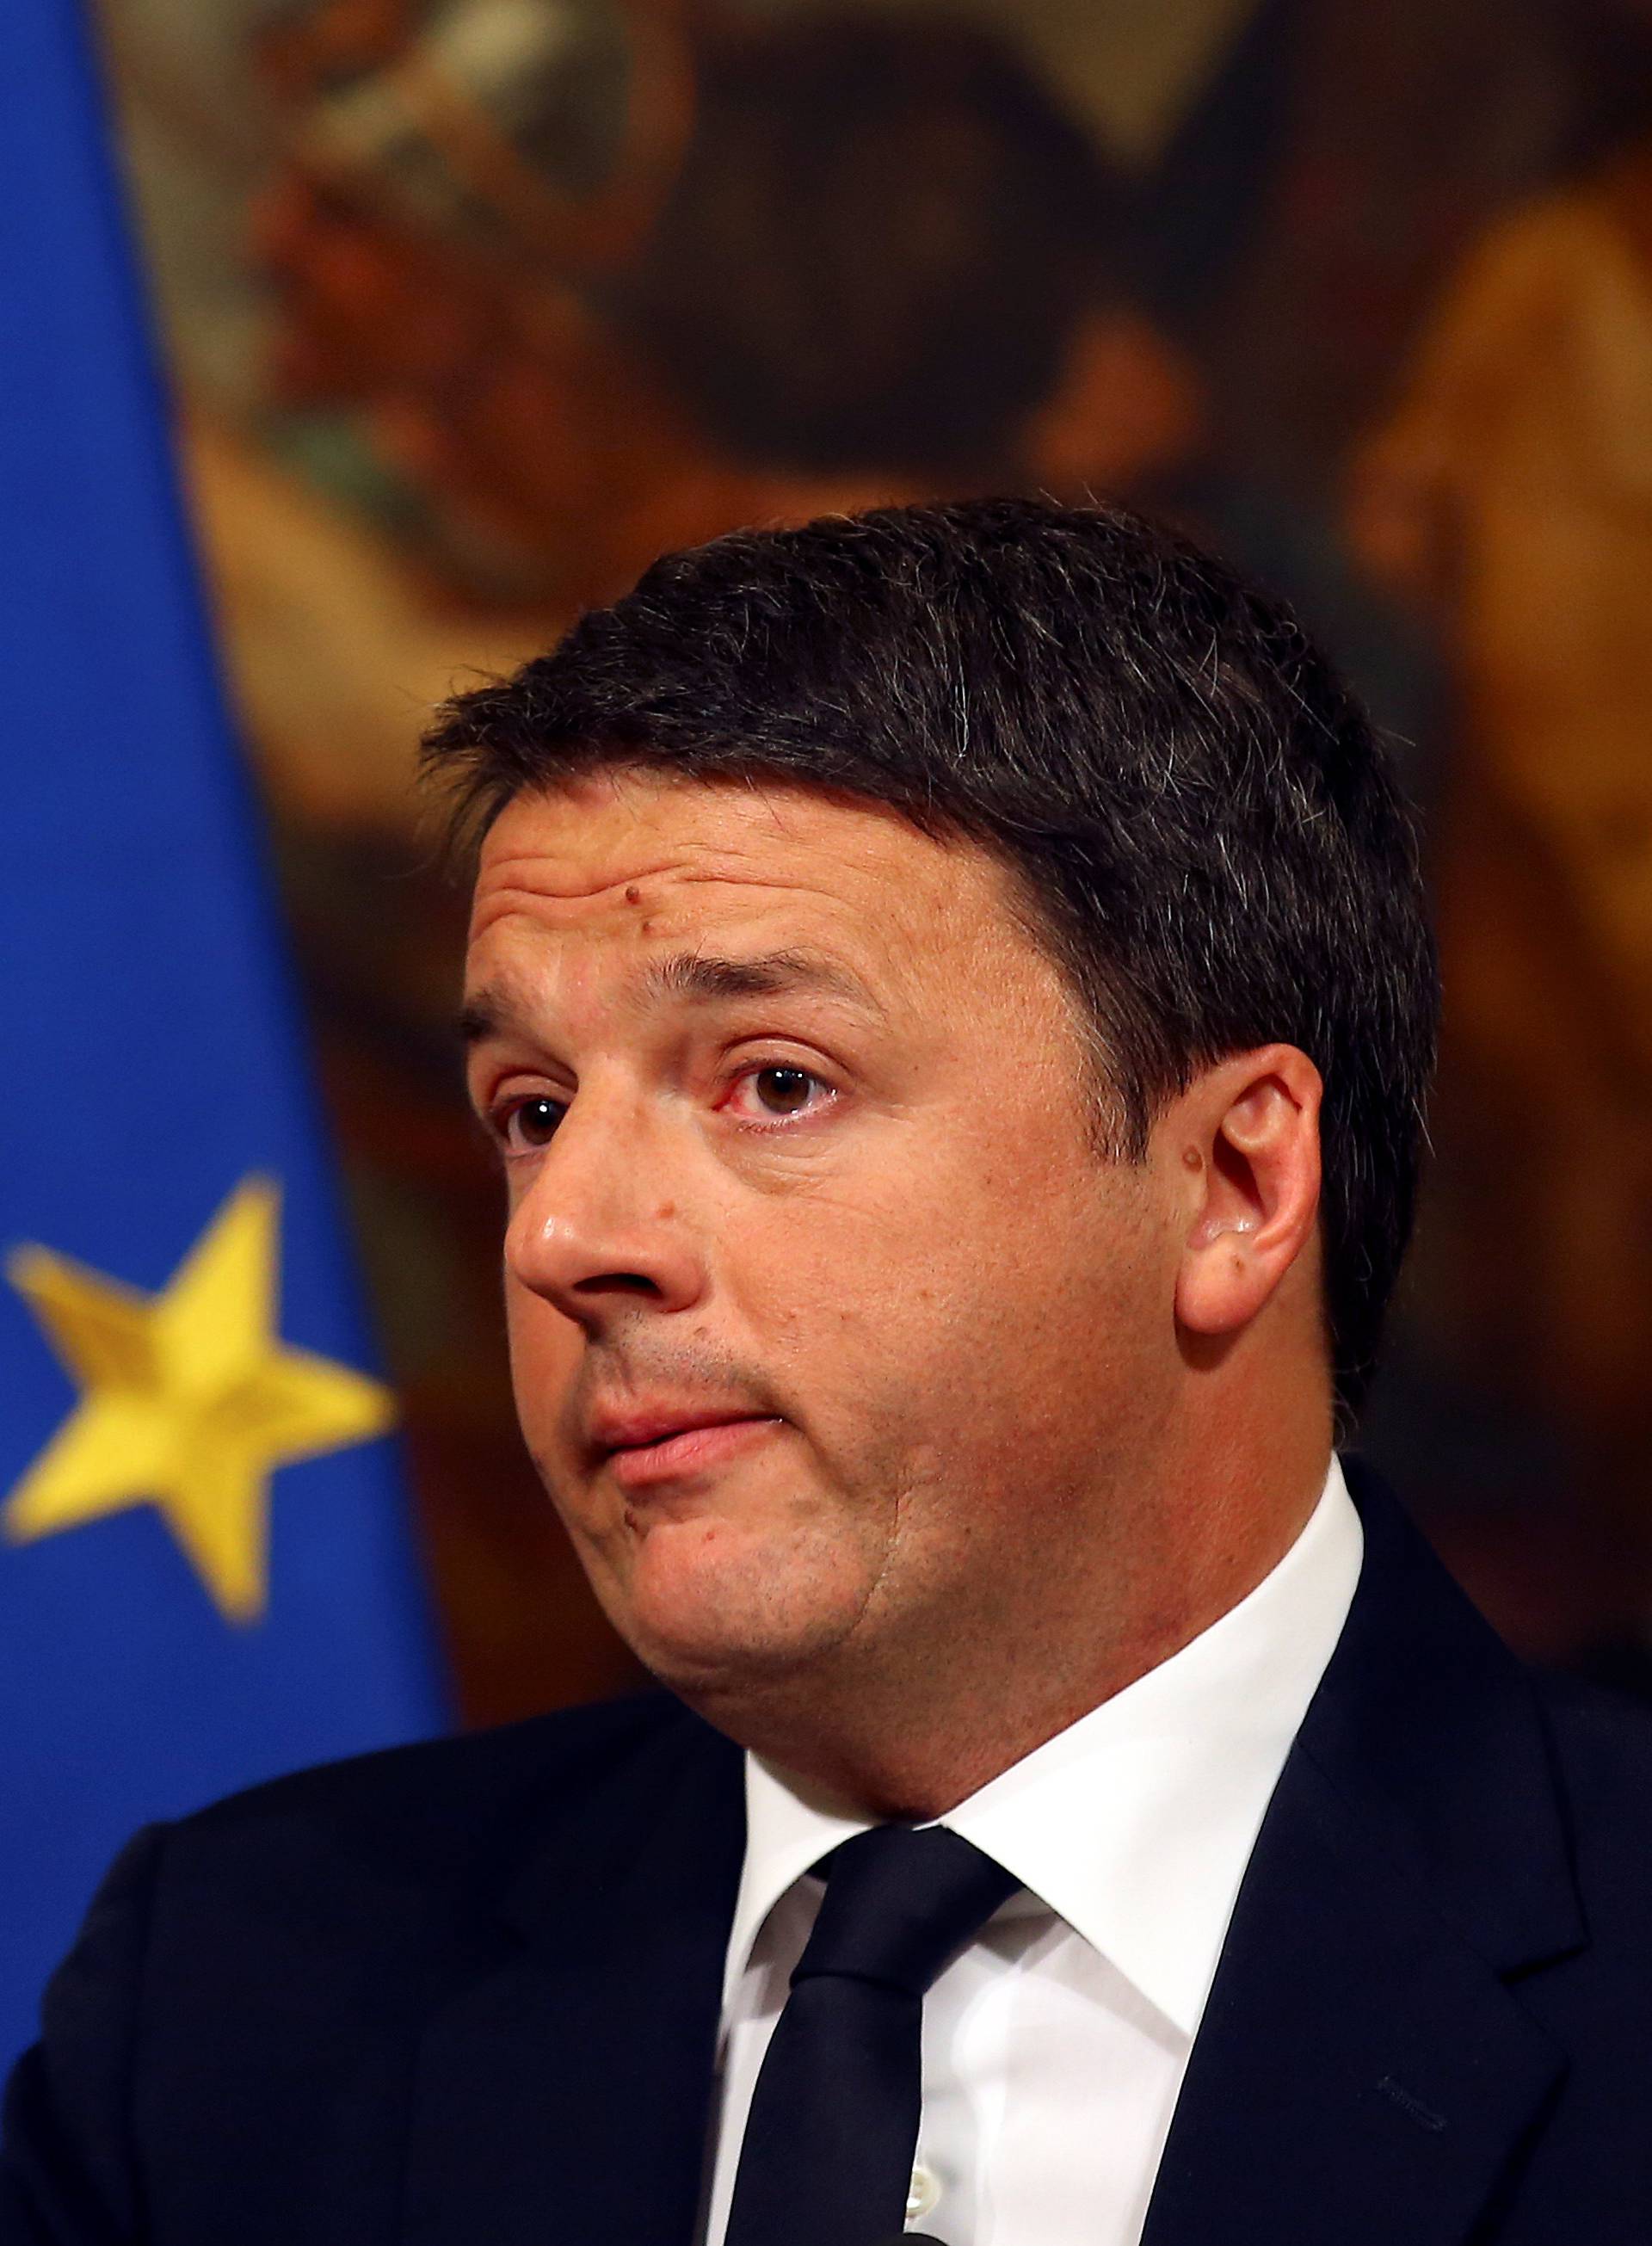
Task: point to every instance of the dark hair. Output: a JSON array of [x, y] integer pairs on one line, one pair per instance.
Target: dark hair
[[881, 240], [1209, 838]]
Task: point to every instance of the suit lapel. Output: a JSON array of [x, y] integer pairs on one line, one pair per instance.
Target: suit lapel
[[1360, 2076], [563, 2093], [1364, 2070]]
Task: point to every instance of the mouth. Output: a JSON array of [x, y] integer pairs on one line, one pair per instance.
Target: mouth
[[675, 1453]]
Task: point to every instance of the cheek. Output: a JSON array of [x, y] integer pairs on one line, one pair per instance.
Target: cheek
[[544, 1350], [993, 1327], [885, 1333]]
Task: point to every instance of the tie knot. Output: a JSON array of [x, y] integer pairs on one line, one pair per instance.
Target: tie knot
[[900, 1900]]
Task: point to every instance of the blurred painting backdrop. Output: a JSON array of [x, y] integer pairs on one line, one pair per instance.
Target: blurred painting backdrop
[[472, 306]]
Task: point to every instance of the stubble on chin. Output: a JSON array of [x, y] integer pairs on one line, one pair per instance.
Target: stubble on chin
[[722, 1619]]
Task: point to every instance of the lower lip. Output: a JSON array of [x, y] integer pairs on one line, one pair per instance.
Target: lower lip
[[692, 1452]]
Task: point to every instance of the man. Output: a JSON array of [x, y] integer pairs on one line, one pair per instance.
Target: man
[[951, 993]]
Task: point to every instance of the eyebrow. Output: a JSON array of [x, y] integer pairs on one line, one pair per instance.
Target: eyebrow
[[702, 977]]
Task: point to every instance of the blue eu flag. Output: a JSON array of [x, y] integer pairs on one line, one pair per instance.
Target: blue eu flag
[[205, 1575]]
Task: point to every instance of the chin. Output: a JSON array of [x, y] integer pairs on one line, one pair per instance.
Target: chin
[[707, 1612]]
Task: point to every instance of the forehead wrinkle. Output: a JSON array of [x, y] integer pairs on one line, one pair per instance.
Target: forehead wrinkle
[[498, 873], [735, 875], [498, 898], [496, 902]]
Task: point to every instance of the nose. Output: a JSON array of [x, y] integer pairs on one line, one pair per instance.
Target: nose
[[598, 1231]]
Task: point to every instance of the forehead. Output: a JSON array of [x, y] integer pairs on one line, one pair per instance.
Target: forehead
[[640, 855]]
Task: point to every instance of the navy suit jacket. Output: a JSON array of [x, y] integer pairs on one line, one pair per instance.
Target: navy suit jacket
[[467, 1994]]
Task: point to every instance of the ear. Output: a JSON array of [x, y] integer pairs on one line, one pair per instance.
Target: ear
[[1245, 1140]]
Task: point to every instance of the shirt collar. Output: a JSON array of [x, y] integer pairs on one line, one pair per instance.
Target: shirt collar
[[1134, 1824]]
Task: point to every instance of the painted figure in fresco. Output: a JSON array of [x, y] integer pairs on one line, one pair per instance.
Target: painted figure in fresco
[[880, 262]]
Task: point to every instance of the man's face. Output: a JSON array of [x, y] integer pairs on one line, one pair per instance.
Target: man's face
[[833, 1335]]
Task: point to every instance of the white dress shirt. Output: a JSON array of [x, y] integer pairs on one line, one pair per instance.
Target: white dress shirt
[[1054, 2046]]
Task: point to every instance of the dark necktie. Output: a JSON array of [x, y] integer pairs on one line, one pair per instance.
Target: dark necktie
[[826, 2159]]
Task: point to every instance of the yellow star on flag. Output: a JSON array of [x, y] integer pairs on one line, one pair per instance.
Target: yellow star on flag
[[189, 1398]]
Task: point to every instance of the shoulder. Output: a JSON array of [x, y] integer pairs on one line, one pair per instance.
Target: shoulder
[[425, 1788], [1601, 1742], [254, 1966], [1595, 1998], [355, 1888], [429, 1777], [437, 1814], [1524, 1796]]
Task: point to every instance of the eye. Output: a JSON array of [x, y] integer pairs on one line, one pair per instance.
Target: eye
[[779, 1089], [531, 1123]]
